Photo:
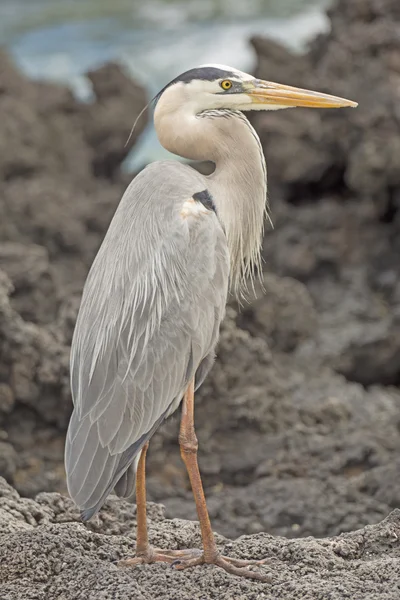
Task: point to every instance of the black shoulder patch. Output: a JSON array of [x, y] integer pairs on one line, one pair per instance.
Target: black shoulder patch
[[206, 199]]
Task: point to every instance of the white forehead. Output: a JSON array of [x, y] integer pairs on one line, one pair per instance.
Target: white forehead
[[238, 74]]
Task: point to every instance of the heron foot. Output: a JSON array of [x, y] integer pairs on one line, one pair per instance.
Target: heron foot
[[235, 566], [160, 555], [183, 559]]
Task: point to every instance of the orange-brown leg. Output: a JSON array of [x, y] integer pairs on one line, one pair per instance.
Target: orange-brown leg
[[144, 552], [142, 538], [189, 446], [181, 559]]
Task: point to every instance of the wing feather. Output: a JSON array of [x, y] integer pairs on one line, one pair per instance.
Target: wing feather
[[149, 317]]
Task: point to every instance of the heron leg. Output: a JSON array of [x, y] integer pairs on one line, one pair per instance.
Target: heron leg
[[182, 559], [145, 553], [189, 446], [142, 538]]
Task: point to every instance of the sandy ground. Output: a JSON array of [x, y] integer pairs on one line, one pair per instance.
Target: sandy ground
[[45, 555]]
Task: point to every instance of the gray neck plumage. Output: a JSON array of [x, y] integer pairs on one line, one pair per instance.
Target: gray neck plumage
[[239, 188], [239, 183]]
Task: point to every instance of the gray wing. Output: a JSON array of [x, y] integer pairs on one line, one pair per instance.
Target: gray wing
[[149, 318]]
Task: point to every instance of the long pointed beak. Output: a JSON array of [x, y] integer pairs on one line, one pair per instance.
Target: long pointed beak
[[276, 94]]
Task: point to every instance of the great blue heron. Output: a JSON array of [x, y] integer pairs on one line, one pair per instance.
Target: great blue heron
[[155, 296]]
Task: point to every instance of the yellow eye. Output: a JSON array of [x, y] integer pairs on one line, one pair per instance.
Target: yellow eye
[[226, 84]]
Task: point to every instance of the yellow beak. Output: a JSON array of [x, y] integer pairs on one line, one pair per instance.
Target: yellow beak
[[276, 94]]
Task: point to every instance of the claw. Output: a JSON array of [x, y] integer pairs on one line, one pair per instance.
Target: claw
[[175, 563], [183, 559]]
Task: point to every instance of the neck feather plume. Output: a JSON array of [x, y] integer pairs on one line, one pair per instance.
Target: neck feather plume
[[239, 188], [238, 184]]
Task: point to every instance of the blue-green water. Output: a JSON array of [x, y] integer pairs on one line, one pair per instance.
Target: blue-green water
[[156, 39]]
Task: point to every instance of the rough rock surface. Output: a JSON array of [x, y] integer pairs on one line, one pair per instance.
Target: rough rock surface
[[311, 151], [281, 311], [59, 185], [59, 177], [335, 184], [290, 451], [45, 554]]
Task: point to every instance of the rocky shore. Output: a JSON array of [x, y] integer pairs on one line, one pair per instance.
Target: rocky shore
[[299, 421]]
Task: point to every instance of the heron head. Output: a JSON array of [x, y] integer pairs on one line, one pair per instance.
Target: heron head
[[213, 87]]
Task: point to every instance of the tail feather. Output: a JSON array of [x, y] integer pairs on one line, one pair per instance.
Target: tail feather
[[121, 483], [124, 487], [92, 472]]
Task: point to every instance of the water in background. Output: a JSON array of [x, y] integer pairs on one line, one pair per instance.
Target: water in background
[[156, 39]]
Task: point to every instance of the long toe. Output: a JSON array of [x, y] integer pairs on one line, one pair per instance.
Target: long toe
[[131, 562], [241, 568], [184, 553], [160, 555], [234, 566], [239, 562]]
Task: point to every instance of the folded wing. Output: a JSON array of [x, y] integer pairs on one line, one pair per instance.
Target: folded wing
[[149, 318]]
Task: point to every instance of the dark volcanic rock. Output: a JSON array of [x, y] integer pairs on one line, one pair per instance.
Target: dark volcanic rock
[[55, 204], [336, 186], [39, 129], [351, 266], [56, 201], [34, 363], [34, 399], [282, 312], [118, 101], [290, 449], [67, 221], [45, 130], [28, 268], [311, 152], [57, 158], [45, 553], [8, 461]]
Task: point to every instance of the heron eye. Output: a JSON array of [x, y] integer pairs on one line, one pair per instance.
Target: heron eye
[[226, 84]]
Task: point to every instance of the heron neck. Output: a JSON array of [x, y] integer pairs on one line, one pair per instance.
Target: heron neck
[[239, 188], [239, 182]]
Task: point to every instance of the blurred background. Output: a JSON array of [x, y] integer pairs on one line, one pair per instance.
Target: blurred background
[[299, 421], [60, 40]]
